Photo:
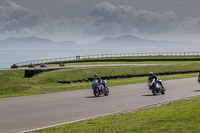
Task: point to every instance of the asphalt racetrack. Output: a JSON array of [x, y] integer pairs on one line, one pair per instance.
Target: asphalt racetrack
[[77, 66], [27, 113]]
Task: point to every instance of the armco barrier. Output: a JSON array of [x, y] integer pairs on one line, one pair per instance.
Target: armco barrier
[[130, 76], [129, 60], [88, 58]]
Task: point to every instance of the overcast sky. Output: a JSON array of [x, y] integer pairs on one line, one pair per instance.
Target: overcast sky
[[84, 21]]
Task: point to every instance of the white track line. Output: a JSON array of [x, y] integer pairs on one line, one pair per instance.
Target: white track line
[[147, 106]]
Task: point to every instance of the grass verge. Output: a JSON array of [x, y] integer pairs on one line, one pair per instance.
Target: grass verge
[[19, 86], [178, 117], [112, 60], [13, 83], [181, 116]]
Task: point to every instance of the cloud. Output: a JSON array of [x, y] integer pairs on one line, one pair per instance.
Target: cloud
[[16, 17], [25, 31], [9, 33], [104, 19], [124, 19], [109, 19], [191, 25]]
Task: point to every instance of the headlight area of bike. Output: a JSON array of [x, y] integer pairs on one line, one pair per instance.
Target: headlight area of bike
[[95, 83]]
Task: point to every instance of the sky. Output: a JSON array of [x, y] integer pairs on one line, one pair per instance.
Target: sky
[[87, 21]]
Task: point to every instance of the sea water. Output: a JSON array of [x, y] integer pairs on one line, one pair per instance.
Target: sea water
[[9, 57]]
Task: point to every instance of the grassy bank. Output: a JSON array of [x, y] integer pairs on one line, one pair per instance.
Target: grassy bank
[[178, 117], [112, 60], [85, 73], [181, 116], [13, 83]]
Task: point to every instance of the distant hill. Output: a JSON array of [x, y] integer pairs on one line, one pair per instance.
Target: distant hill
[[31, 39], [34, 43], [125, 41], [122, 41], [132, 41]]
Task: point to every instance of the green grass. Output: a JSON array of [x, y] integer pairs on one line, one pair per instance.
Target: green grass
[[103, 60], [84, 73], [136, 57], [13, 83], [102, 63], [182, 116], [178, 117]]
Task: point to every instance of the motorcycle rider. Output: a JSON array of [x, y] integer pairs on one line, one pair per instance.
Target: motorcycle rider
[[96, 77], [153, 76], [199, 78]]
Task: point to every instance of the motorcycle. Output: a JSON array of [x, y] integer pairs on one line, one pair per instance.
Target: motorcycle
[[43, 65], [99, 89], [14, 66], [62, 64], [198, 80], [31, 66], [155, 87]]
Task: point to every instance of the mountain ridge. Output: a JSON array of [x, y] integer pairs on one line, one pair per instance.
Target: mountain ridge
[[34, 42]]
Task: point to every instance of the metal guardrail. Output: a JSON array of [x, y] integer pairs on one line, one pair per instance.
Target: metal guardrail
[[108, 55]]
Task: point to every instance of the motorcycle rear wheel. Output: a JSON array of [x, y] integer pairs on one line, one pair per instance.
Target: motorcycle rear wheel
[[163, 91]]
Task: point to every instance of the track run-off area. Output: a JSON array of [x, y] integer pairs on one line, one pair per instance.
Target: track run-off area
[[27, 113]]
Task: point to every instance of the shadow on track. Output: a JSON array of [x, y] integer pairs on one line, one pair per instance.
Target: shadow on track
[[90, 97], [148, 95], [152, 95], [94, 96], [196, 90]]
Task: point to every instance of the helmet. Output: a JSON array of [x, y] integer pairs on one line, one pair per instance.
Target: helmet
[[151, 74], [95, 75]]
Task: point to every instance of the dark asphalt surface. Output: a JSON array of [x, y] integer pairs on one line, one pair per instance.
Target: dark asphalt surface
[[38, 111], [75, 66]]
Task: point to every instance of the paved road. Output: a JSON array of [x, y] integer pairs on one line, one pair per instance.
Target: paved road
[[75, 66], [31, 112]]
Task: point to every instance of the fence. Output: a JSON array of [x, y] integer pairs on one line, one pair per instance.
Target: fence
[[108, 55]]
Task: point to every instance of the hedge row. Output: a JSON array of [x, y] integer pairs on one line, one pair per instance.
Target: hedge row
[[132, 60], [31, 72], [128, 76]]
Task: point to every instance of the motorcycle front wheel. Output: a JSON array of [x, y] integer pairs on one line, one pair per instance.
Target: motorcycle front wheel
[[96, 92], [106, 91], [154, 91]]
